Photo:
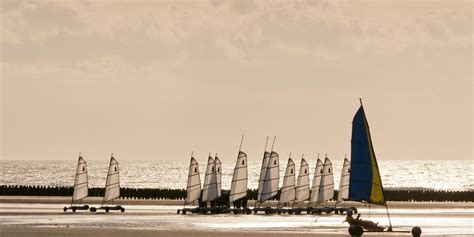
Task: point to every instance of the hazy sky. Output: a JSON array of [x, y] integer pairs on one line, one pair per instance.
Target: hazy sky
[[155, 80]]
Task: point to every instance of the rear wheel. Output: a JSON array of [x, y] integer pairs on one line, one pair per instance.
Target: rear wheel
[[65, 209], [93, 209], [416, 231], [356, 230], [248, 211], [122, 209], [290, 212]]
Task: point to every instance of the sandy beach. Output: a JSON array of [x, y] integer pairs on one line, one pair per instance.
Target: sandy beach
[[43, 216]]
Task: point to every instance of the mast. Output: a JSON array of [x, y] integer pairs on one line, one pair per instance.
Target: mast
[[365, 183]]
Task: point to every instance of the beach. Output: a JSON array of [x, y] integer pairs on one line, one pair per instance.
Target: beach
[[43, 216]]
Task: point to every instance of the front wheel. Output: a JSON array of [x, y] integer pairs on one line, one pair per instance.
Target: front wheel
[[92, 209], [65, 209], [122, 209], [248, 211]]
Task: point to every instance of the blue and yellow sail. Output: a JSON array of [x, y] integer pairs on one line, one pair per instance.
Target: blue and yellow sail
[[365, 184]]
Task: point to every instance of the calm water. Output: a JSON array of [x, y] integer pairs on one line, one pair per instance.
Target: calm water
[[444, 175]]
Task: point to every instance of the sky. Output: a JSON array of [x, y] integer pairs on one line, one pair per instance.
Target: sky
[[156, 80]]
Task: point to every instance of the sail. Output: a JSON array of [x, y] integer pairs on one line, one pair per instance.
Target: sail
[[326, 189], [238, 188], [272, 178], [302, 189], [287, 193], [343, 193], [112, 184], [364, 182], [218, 175], [81, 183], [193, 188], [318, 173], [263, 171], [209, 192]]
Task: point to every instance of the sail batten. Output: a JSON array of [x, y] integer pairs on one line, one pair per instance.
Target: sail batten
[[238, 188]]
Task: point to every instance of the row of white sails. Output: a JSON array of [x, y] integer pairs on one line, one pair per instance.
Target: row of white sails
[[81, 182], [294, 191]]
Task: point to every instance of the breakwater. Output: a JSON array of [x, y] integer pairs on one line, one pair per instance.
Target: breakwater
[[179, 194]]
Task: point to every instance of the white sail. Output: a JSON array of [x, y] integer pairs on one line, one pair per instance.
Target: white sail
[[238, 188], [302, 188], [272, 178], [81, 182], [287, 193], [209, 192], [263, 171], [318, 173], [344, 182], [326, 189], [218, 165], [193, 188], [112, 184]]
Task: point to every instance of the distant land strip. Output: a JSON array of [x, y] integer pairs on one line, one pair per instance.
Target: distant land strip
[[407, 195]]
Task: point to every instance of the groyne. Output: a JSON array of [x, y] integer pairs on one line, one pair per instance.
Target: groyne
[[179, 194]]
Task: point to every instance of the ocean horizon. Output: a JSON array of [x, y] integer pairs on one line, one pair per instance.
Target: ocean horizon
[[396, 174]]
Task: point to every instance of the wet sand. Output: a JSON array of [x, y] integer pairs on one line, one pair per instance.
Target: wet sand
[[43, 216]]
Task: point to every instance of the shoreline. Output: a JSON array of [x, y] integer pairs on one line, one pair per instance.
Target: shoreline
[[169, 202]]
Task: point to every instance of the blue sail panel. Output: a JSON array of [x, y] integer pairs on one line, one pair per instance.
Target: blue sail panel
[[364, 182]]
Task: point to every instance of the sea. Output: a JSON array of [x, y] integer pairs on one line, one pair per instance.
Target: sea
[[396, 174]]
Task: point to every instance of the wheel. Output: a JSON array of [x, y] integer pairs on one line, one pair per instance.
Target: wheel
[[65, 209], [308, 211], [355, 210], [184, 211], [93, 209], [122, 209], [248, 211], [73, 209], [178, 211], [235, 212], [356, 230], [290, 212], [318, 212], [416, 231], [107, 209], [336, 211], [255, 211]]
